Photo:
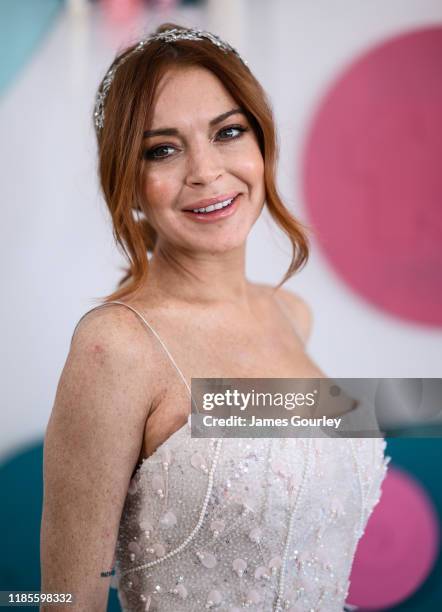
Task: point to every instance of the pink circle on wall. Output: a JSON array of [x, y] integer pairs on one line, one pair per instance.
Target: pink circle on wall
[[372, 176], [399, 545]]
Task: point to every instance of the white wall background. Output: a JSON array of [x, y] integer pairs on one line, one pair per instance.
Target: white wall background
[[57, 251]]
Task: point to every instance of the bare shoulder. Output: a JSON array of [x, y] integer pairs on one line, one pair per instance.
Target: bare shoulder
[[296, 305], [104, 393], [113, 327], [113, 340]]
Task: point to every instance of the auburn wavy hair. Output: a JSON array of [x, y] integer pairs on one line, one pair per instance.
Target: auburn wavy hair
[[129, 107]]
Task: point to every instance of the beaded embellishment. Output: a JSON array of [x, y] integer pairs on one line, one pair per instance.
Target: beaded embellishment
[[263, 524]]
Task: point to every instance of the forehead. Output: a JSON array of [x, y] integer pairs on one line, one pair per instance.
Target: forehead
[[189, 94]]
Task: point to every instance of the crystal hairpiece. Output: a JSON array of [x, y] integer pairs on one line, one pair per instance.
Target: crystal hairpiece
[[170, 35]]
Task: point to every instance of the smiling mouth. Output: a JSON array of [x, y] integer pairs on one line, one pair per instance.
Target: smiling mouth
[[214, 209]]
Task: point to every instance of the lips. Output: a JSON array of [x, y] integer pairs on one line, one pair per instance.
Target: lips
[[210, 201], [215, 215]]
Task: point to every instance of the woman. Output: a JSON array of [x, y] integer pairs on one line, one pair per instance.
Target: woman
[[186, 161]]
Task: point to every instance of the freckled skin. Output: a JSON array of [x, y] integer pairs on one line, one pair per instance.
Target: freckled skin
[[98, 354], [200, 166], [209, 332], [119, 397]]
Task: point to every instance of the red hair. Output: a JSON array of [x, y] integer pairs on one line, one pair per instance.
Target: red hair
[[129, 107]]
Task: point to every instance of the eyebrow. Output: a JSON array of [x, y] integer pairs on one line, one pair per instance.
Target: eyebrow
[[175, 132]]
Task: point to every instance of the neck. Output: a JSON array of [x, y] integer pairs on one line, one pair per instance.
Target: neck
[[199, 279]]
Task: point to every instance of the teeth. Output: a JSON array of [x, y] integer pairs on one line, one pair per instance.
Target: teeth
[[216, 206]]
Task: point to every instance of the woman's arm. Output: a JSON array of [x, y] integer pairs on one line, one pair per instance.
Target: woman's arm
[[92, 443]]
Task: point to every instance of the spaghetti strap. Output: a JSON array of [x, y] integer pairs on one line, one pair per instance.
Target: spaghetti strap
[[149, 326], [289, 316]]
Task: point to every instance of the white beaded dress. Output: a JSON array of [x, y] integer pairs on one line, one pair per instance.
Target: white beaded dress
[[263, 524]]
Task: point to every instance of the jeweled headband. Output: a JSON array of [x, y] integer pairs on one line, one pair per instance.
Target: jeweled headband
[[166, 36]]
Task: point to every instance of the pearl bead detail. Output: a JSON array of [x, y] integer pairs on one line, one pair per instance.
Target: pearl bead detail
[[281, 586], [199, 523], [221, 532]]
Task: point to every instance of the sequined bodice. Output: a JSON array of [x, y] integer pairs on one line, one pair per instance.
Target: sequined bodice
[[265, 524]]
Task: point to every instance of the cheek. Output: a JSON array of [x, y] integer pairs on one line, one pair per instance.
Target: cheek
[[159, 189], [252, 166], [154, 183]]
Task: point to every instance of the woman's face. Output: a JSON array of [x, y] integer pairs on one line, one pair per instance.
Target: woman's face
[[200, 150]]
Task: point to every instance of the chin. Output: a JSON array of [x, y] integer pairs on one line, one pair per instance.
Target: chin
[[218, 247]]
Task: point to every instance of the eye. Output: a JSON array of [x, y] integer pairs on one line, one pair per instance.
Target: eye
[[155, 153], [237, 128]]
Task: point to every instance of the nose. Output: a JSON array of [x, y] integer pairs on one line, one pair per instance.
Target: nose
[[204, 165]]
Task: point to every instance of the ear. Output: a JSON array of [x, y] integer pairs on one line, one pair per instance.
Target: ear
[[300, 310]]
